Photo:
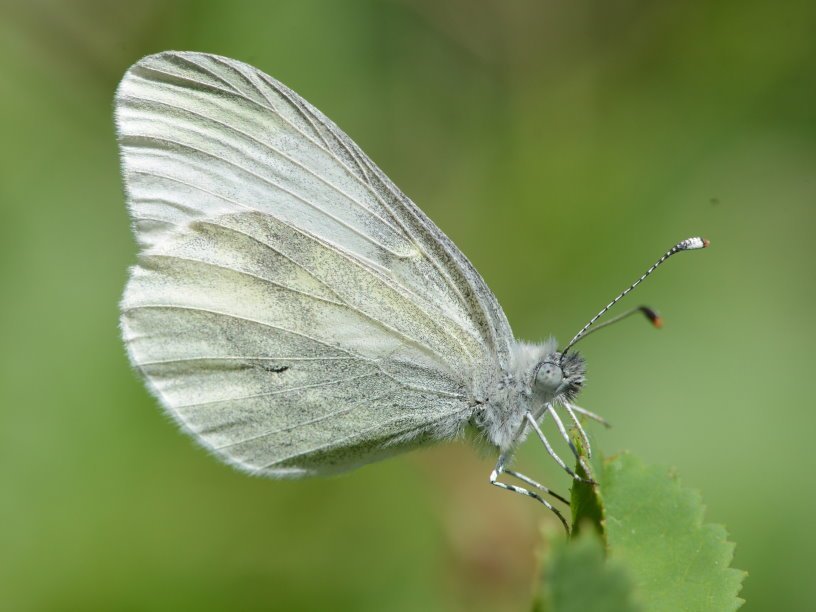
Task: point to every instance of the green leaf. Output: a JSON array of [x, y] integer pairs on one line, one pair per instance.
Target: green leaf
[[654, 526], [586, 504], [576, 578], [659, 554]]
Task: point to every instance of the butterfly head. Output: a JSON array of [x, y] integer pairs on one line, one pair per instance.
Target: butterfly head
[[560, 376]]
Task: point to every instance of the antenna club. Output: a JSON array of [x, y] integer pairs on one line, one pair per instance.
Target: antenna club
[[689, 244], [653, 317]]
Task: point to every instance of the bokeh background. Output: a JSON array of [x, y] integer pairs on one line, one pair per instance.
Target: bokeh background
[[563, 146]]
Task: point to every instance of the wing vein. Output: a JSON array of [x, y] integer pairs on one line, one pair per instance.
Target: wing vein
[[407, 338], [239, 358], [279, 152], [249, 320], [272, 183], [379, 276], [302, 107], [338, 442], [251, 275], [189, 59], [275, 392], [353, 355], [296, 426]]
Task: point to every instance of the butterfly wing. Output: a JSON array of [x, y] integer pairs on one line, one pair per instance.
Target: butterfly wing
[[290, 307]]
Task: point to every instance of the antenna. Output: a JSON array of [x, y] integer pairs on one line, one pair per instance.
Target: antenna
[[689, 244], [654, 318]]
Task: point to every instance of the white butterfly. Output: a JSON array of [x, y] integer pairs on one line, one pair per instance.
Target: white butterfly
[[291, 308]]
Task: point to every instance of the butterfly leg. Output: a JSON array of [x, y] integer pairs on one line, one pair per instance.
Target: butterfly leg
[[580, 428], [563, 431], [535, 484], [531, 420], [591, 415], [499, 469]]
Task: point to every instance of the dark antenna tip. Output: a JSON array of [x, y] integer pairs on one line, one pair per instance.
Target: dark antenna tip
[[655, 318]]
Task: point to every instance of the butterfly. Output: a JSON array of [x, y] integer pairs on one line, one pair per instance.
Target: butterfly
[[292, 309]]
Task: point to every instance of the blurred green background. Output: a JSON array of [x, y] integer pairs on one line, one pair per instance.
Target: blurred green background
[[563, 146]]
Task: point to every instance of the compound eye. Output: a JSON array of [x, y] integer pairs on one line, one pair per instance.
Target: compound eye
[[549, 375]]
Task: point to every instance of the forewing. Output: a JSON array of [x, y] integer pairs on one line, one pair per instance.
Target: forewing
[[290, 306]]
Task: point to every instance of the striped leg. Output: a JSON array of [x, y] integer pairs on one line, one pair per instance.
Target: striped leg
[[497, 471], [563, 431], [535, 484], [531, 420]]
